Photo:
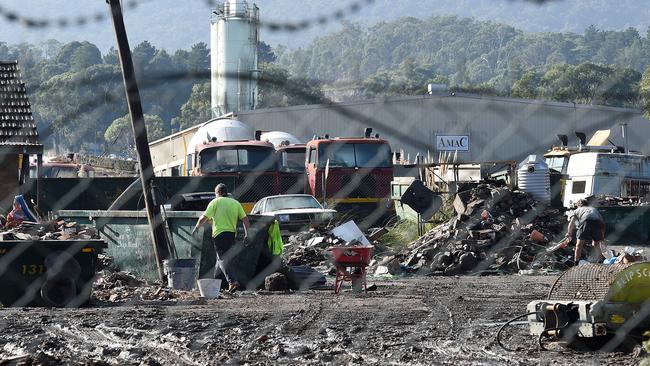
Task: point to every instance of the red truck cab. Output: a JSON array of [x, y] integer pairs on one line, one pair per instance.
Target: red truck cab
[[251, 164], [352, 175], [291, 162]]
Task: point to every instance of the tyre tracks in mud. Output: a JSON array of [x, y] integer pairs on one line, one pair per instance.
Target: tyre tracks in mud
[[459, 343], [301, 322], [139, 345]]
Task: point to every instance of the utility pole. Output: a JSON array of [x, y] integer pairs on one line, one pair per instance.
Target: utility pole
[[158, 234]]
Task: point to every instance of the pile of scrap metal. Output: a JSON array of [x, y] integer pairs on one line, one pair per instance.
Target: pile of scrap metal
[[312, 248], [50, 230], [607, 201], [22, 223], [496, 231]]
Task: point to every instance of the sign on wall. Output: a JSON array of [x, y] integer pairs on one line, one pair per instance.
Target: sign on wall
[[452, 142]]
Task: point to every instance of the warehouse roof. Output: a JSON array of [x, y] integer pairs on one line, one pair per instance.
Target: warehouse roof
[[18, 132]]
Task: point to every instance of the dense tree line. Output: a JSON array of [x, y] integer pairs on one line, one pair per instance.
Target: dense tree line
[[403, 56]]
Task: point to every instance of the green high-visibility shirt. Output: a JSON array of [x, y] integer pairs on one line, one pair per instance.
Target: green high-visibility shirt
[[224, 213], [276, 246]]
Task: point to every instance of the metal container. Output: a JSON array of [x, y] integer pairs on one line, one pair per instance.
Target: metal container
[[48, 272], [129, 241], [129, 238], [626, 225], [533, 178]]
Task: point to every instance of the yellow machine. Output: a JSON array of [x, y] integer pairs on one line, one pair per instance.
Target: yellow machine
[[593, 301]]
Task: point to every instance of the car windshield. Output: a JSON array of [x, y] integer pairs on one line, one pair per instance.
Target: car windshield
[[361, 155], [293, 161], [290, 202], [220, 160]]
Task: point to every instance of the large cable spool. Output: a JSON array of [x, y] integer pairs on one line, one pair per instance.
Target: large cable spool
[[629, 283]]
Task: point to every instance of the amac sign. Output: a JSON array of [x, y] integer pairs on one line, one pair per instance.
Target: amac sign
[[452, 142]]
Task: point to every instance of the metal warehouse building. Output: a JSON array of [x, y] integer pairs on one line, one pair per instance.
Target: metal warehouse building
[[481, 128]]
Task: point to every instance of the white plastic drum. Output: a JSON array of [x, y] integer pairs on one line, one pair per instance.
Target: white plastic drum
[[533, 177]]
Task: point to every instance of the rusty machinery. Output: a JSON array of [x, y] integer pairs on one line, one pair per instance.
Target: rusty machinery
[[593, 303]]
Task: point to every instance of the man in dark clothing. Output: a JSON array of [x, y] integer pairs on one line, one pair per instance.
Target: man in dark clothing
[[590, 227]]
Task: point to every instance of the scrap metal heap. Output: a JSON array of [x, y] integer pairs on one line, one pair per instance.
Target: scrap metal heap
[[496, 231], [608, 201], [49, 230], [312, 249]]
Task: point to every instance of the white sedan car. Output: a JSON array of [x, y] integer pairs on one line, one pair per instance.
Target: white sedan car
[[294, 212]]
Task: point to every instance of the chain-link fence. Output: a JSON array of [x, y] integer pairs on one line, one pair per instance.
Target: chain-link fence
[[417, 309]]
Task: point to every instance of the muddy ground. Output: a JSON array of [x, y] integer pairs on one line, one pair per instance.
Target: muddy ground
[[425, 320]]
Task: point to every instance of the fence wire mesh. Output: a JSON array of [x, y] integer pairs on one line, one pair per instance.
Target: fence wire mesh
[[415, 313]]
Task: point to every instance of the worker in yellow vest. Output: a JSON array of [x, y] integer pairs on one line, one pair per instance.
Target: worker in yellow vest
[[224, 212]]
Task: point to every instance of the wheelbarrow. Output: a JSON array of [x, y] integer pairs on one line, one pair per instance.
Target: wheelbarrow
[[351, 263]]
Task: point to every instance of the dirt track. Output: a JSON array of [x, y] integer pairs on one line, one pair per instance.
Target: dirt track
[[439, 320]]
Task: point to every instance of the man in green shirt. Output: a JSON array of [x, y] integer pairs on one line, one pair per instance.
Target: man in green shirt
[[224, 212]]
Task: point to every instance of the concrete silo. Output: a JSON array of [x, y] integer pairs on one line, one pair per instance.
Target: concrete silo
[[234, 33]]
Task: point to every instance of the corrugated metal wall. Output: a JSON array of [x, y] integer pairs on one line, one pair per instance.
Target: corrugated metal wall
[[499, 128]]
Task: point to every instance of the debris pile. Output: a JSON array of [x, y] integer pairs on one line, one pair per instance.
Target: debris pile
[[52, 230], [112, 285], [312, 248], [496, 231], [608, 201]]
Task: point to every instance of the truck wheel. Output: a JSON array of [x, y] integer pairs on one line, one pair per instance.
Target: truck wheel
[[59, 291]]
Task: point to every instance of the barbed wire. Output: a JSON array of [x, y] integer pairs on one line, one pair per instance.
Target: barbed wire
[[322, 20], [274, 26], [302, 325], [13, 16]]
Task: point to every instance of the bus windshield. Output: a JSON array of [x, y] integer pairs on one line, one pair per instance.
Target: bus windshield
[[232, 160], [351, 155]]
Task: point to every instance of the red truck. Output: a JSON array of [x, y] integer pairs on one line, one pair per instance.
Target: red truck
[[252, 165], [352, 175]]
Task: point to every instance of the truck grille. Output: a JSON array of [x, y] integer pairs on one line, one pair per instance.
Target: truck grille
[[292, 183], [252, 188], [358, 186]]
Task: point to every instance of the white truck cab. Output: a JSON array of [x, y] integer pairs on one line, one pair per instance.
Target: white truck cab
[[606, 173]]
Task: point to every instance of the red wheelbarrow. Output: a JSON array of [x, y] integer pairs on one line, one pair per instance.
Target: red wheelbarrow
[[351, 263]]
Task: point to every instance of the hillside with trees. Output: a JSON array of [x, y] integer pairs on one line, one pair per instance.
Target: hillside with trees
[[401, 57], [78, 97]]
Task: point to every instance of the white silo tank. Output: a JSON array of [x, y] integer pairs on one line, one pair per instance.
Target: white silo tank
[[234, 34], [277, 138], [221, 129], [533, 178]]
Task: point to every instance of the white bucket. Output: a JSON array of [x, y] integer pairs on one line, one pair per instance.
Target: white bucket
[[180, 273], [209, 288]]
